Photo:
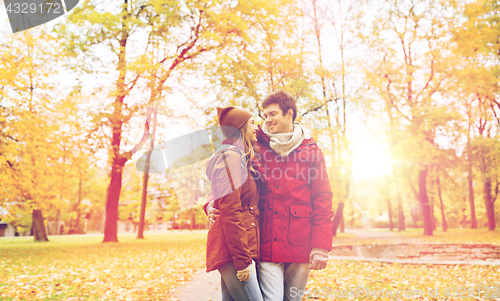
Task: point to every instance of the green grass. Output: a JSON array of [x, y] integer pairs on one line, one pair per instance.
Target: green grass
[[81, 267]]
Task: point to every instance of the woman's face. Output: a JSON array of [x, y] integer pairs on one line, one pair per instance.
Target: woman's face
[[251, 130]]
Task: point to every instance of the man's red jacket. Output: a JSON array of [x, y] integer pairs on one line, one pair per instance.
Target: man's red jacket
[[296, 206]]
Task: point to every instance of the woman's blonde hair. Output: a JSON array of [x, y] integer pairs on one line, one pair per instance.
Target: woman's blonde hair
[[250, 153]]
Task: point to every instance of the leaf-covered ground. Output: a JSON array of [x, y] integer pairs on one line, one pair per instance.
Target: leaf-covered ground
[[83, 268], [344, 280], [355, 279]]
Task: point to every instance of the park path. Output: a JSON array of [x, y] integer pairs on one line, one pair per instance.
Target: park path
[[203, 287], [206, 286], [374, 234]]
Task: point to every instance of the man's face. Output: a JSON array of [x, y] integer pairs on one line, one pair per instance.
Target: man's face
[[276, 122]]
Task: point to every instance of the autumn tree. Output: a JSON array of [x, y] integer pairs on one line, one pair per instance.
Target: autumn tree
[[30, 157], [334, 28], [477, 45], [149, 41], [293, 51], [271, 57], [410, 71]]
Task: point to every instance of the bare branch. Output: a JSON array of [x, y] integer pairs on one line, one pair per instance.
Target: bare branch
[[319, 107], [130, 153], [493, 108], [12, 138], [391, 99], [192, 41], [429, 80], [133, 82]]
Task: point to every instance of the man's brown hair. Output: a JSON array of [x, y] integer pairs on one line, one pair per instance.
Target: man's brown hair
[[283, 99]]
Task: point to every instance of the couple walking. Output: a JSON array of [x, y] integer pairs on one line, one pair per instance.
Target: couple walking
[[272, 204]]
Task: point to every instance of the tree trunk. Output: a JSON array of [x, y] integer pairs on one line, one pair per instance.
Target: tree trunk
[[413, 218], [342, 224], [140, 233], [473, 222], [433, 216], [116, 122], [443, 216], [401, 215], [424, 201], [78, 229], [38, 227], [192, 219], [112, 199], [58, 230], [432, 198], [348, 181], [58, 226], [78, 206], [389, 207], [488, 202], [337, 218]]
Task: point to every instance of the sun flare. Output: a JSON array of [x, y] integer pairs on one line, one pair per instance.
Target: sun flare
[[370, 159]]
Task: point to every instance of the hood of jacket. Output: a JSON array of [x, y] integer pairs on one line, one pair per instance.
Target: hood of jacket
[[212, 162]]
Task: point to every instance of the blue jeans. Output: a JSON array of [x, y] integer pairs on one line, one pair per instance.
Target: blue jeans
[[283, 281], [233, 289]]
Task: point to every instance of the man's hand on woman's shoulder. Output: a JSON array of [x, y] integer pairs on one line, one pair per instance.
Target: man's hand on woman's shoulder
[[213, 213]]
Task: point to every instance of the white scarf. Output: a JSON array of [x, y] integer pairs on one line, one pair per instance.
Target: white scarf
[[284, 143]]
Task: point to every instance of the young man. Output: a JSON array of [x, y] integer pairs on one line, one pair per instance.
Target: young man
[[296, 207]]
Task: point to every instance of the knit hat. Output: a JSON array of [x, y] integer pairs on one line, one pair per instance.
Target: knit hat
[[231, 119]]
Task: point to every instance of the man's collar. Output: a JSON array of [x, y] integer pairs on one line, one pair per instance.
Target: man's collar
[[262, 137], [307, 134]]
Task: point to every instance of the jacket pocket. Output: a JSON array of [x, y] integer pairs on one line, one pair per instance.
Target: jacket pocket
[[300, 227], [251, 227]]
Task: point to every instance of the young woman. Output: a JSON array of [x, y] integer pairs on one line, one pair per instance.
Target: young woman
[[233, 240]]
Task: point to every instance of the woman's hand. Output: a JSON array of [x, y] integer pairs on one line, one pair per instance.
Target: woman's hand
[[244, 274]]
